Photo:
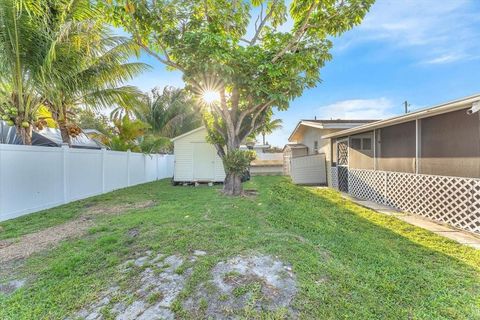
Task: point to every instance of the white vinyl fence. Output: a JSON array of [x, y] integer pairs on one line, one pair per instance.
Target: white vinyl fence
[[35, 178], [309, 170]]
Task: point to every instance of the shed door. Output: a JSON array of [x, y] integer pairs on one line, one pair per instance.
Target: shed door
[[203, 162]]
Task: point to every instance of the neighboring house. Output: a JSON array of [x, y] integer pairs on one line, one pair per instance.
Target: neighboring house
[[425, 162], [258, 148], [48, 137], [266, 163], [196, 160], [306, 140]]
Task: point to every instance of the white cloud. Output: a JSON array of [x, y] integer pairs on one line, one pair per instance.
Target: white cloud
[[436, 31], [378, 108], [447, 58]]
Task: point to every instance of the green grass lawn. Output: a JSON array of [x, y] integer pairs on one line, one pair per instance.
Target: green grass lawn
[[349, 262]]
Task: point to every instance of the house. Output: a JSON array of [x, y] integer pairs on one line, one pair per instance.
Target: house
[[196, 160], [425, 162], [266, 163], [47, 137], [306, 140]]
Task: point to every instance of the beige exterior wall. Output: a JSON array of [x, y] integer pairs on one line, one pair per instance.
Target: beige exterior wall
[[358, 157]]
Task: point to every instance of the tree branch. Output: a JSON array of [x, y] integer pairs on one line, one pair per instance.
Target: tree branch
[[299, 33], [249, 111], [263, 22]]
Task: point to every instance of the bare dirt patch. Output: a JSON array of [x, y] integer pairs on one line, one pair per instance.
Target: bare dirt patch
[[245, 287], [41, 240], [117, 209], [11, 286], [239, 287], [157, 281], [14, 249]]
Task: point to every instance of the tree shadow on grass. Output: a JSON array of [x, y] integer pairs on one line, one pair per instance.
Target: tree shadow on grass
[[378, 265]]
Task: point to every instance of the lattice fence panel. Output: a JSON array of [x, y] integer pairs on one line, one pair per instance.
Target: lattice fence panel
[[334, 177], [367, 184], [452, 200], [402, 191], [475, 224], [445, 199]]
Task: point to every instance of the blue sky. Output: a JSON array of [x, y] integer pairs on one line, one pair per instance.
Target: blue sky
[[423, 51]]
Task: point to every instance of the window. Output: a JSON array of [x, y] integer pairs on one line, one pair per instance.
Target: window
[[366, 144], [361, 143], [315, 146], [356, 143]]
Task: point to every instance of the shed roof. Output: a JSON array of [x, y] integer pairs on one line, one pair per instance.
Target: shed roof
[[188, 133], [419, 114]]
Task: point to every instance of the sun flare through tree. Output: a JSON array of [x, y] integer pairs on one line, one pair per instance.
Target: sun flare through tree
[[237, 57]]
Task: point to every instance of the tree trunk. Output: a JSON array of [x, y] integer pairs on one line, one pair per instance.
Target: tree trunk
[[25, 134], [232, 185], [263, 135], [64, 132]]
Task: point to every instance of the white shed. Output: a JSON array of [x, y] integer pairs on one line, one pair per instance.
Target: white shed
[[196, 160]]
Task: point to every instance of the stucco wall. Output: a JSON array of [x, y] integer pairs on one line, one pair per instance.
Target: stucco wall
[[358, 158]]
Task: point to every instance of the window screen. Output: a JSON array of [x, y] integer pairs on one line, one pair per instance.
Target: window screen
[[366, 144], [356, 143]]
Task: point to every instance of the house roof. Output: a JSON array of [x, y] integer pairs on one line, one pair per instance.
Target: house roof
[[326, 124], [295, 146], [48, 137], [450, 106]]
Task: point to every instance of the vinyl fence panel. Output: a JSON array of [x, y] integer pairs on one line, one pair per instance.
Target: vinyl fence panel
[[309, 170], [35, 178]]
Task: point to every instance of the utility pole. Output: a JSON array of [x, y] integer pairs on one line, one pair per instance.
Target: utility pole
[[406, 106]]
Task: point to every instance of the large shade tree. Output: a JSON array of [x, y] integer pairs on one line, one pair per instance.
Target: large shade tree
[[241, 56]]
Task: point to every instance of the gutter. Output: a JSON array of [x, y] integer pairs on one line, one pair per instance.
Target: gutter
[[435, 110]]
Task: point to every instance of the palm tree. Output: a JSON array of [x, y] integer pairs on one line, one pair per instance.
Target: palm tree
[[170, 112], [88, 66], [60, 54], [269, 127], [23, 46]]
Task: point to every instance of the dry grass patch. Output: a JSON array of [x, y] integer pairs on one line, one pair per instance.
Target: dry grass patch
[[45, 239]]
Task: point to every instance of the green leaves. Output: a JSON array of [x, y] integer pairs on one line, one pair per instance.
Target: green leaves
[[244, 50], [238, 161]]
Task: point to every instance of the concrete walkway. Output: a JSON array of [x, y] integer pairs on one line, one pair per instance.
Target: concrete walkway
[[444, 230]]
